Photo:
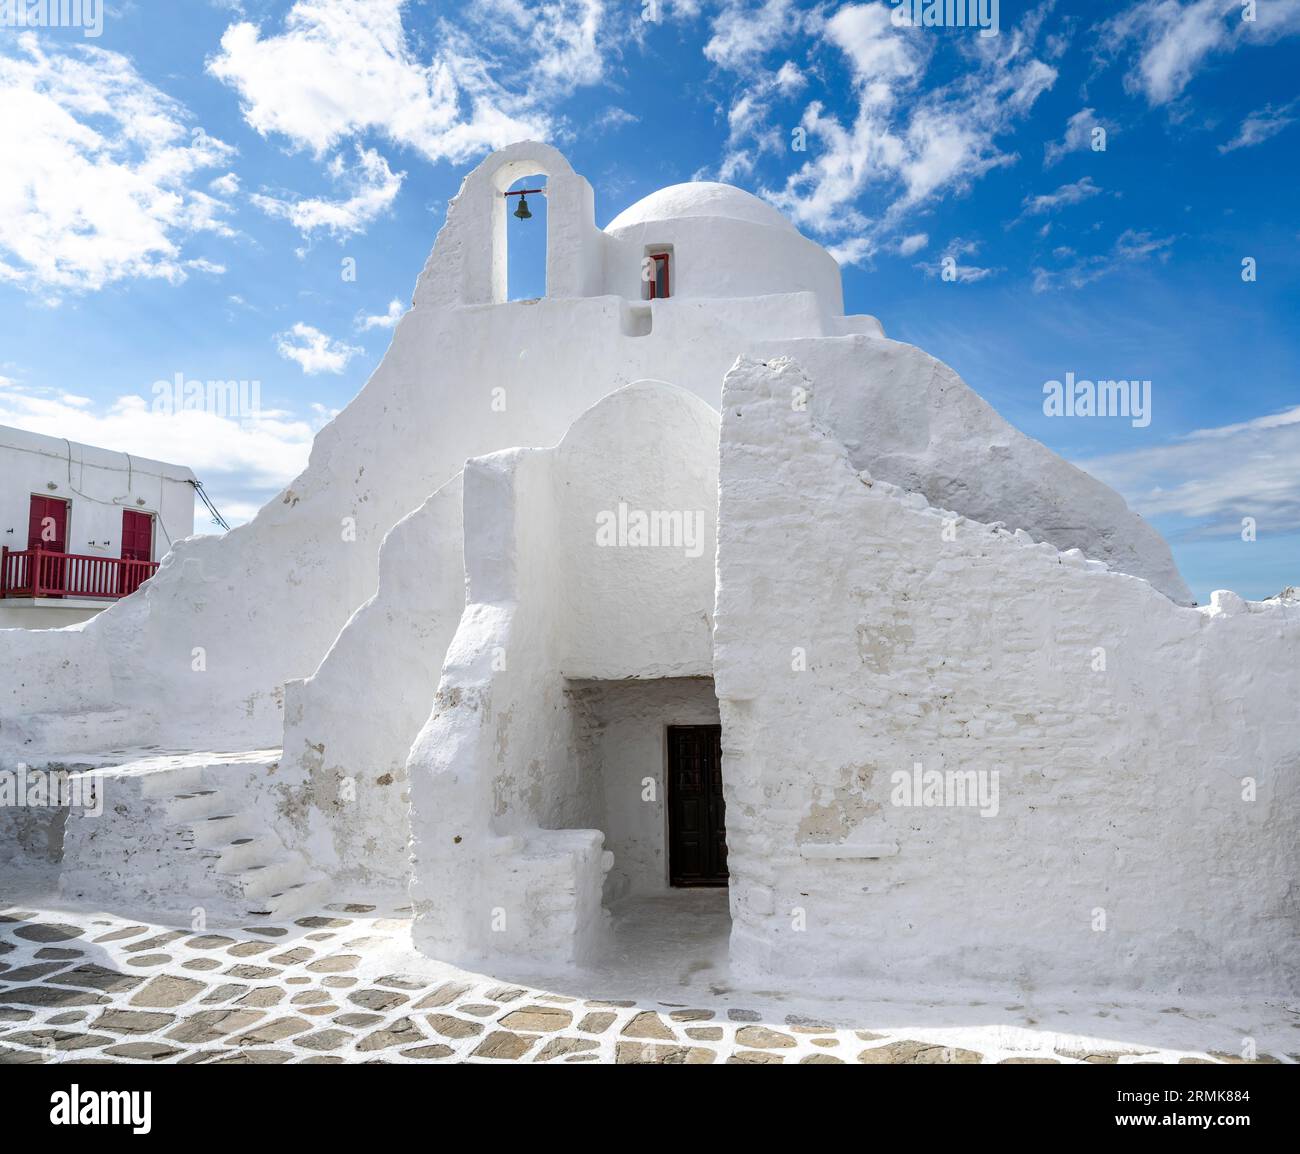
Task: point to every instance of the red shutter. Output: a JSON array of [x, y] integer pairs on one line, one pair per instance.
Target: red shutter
[[47, 524], [659, 284], [137, 536]]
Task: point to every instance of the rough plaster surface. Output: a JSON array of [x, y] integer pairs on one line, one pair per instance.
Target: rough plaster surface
[[175, 833], [326, 623], [464, 377], [507, 861], [907, 418], [619, 735], [1121, 791], [349, 727]]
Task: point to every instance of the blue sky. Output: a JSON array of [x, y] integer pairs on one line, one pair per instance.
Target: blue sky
[[178, 196]]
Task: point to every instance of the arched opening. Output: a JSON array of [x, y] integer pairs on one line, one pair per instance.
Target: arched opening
[[526, 237]]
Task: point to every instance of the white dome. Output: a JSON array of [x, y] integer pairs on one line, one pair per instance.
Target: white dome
[[699, 198]]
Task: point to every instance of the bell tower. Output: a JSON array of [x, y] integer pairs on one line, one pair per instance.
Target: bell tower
[[468, 262]]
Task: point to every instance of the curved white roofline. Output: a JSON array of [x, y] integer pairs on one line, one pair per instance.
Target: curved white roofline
[[700, 198]]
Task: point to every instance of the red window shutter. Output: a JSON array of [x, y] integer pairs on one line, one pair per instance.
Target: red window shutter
[[659, 288], [56, 510], [137, 536]]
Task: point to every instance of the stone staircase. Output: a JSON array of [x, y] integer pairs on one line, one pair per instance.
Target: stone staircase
[[236, 839], [186, 831]]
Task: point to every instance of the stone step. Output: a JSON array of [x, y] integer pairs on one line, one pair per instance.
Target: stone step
[[54, 734], [173, 780], [267, 879], [196, 805], [218, 830], [302, 897], [205, 823], [247, 850]]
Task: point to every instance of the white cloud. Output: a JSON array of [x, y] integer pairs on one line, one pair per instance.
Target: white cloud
[[949, 265], [340, 69], [227, 185], [743, 31], [563, 38], [202, 264], [1063, 197], [1132, 248], [881, 55], [1078, 136], [1173, 40], [748, 136], [911, 245], [105, 188], [340, 72], [1259, 126], [242, 464], [789, 79], [1216, 476], [386, 320], [374, 188], [314, 351], [613, 118], [852, 250], [913, 145]]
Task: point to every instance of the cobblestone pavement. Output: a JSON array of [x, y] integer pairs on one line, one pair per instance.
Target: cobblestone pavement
[[345, 986]]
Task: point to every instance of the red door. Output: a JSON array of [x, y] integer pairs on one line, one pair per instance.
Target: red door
[[47, 528], [137, 545]]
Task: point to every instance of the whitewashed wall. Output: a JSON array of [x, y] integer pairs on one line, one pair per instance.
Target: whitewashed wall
[[1121, 790], [229, 620], [265, 601], [507, 858], [349, 727], [620, 740], [909, 419]]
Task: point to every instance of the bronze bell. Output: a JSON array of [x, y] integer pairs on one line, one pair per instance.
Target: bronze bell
[[522, 212]]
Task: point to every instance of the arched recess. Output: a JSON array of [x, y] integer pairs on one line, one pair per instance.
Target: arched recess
[[525, 240], [468, 262]]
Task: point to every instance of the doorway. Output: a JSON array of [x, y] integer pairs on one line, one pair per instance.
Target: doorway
[[47, 529], [697, 830], [137, 545]]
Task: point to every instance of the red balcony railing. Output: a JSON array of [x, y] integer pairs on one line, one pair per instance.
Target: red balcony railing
[[42, 573]]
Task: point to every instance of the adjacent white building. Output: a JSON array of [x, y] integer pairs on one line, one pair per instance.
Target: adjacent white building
[[81, 526]]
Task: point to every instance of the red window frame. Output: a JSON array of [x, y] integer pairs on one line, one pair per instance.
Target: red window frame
[[661, 260]]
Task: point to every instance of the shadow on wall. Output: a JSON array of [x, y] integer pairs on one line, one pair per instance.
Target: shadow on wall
[[619, 745]]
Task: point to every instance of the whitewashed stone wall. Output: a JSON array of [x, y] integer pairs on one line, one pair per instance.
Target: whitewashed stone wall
[[463, 377], [349, 727], [907, 418], [265, 602], [207, 655], [620, 731], [1122, 791], [507, 858]]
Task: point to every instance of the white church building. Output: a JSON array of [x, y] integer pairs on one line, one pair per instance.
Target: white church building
[[681, 577]]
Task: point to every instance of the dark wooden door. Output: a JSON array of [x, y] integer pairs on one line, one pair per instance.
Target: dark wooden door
[[697, 829]]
